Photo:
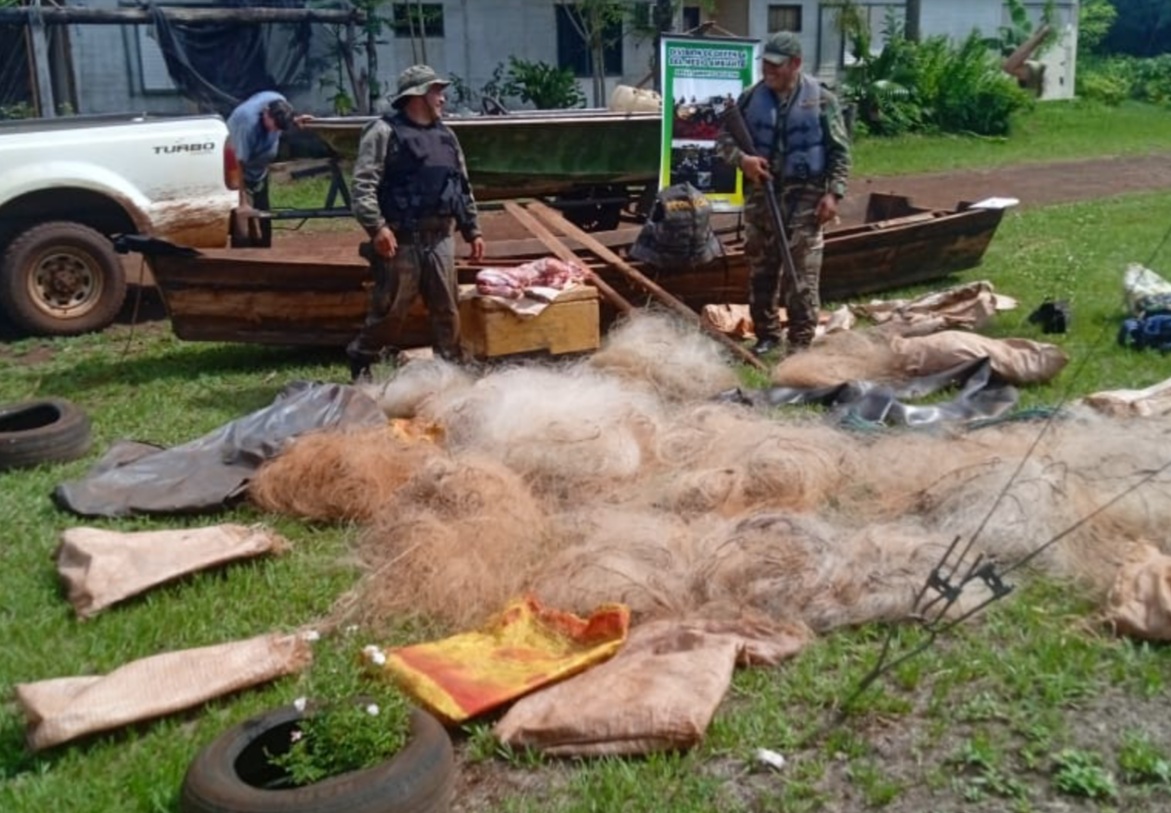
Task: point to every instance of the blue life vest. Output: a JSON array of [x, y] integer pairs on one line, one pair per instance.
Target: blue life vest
[[421, 179], [804, 142]]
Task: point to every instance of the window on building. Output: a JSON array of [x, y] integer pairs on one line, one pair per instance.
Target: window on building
[[418, 19], [784, 18], [573, 52], [692, 17]]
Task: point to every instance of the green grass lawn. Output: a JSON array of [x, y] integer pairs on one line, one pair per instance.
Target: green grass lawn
[[1050, 131], [1023, 706]]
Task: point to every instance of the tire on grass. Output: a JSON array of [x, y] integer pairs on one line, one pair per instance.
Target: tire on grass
[[47, 431], [61, 279], [232, 774]]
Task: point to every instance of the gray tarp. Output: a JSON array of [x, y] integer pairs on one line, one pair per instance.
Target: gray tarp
[[208, 473], [982, 395]]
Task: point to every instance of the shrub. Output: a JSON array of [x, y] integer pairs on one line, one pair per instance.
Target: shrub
[[545, 86], [931, 86], [352, 722], [1115, 79]]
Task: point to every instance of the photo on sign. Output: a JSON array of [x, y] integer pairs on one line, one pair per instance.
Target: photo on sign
[[697, 105], [697, 163]]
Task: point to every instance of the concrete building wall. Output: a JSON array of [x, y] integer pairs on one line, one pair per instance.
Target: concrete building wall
[[118, 71]]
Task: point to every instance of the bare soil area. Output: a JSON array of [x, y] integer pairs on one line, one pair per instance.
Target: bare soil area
[[1032, 184]]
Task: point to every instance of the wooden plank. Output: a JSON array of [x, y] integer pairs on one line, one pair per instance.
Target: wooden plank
[[562, 251], [39, 45], [555, 219]]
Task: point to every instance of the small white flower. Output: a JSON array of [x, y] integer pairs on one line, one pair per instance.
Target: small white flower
[[378, 659], [351, 629], [299, 703], [372, 709], [311, 635], [296, 735], [374, 654]]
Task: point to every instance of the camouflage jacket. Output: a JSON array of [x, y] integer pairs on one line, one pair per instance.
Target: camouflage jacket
[[377, 140], [837, 147]]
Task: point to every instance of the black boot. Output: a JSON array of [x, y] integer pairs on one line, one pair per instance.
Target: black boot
[[765, 346], [359, 368]]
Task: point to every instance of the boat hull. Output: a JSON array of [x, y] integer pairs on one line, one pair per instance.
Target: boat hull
[[538, 154], [264, 296]]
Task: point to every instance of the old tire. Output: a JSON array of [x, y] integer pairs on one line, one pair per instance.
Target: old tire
[[47, 431], [232, 774], [61, 279]]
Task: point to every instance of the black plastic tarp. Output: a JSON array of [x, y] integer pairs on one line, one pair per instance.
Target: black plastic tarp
[[219, 65], [213, 471]]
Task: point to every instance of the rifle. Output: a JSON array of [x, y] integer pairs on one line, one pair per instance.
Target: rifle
[[733, 121]]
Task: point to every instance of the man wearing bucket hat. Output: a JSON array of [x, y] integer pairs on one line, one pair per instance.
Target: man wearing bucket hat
[[410, 191], [801, 143], [254, 134]]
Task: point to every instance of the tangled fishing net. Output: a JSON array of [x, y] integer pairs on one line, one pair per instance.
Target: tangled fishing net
[[621, 479]]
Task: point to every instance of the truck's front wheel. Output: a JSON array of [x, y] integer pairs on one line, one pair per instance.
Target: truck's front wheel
[[61, 279]]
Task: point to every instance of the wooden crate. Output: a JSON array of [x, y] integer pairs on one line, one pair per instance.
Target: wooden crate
[[570, 324]]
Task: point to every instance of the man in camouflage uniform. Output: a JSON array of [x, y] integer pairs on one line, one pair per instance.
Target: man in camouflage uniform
[[801, 143], [410, 191]]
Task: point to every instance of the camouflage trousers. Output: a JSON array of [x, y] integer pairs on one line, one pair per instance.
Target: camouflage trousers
[[424, 264], [769, 286]]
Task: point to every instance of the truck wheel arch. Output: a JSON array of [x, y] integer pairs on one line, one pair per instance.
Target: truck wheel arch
[[106, 212], [59, 274]]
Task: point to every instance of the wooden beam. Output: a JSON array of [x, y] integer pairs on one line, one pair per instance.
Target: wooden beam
[[551, 242], [75, 15], [556, 220], [38, 40]]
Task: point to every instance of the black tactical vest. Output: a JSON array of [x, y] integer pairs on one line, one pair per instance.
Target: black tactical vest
[[422, 178]]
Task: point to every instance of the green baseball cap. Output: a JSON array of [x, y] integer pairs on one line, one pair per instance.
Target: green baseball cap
[[416, 81], [780, 47]]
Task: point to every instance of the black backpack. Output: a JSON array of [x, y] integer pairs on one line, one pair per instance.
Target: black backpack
[[679, 233]]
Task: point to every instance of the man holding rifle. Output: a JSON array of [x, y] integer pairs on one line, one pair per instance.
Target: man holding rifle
[[800, 155]]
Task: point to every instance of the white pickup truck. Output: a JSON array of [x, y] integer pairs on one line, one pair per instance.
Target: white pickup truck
[[67, 186]]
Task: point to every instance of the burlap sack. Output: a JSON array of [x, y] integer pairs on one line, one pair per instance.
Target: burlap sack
[[61, 709], [731, 320], [1139, 604], [1017, 361], [101, 567], [962, 307], [658, 693], [1154, 400]]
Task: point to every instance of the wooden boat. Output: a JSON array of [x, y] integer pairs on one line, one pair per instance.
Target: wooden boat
[[262, 295], [550, 152]]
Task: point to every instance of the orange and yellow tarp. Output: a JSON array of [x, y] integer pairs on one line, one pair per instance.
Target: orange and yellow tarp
[[525, 647]]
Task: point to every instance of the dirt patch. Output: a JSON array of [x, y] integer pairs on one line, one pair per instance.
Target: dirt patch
[[1032, 184]]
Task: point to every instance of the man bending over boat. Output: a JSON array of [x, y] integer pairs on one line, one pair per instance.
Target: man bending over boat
[[254, 134], [802, 144], [410, 192]]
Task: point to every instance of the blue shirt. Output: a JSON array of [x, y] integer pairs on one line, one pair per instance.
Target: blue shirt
[[255, 147]]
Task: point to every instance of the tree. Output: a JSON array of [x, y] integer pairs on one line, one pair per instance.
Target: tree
[[596, 22], [1143, 28], [914, 16], [1095, 19]]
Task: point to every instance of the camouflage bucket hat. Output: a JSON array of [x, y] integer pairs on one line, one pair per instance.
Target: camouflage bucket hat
[[779, 47], [415, 81]]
